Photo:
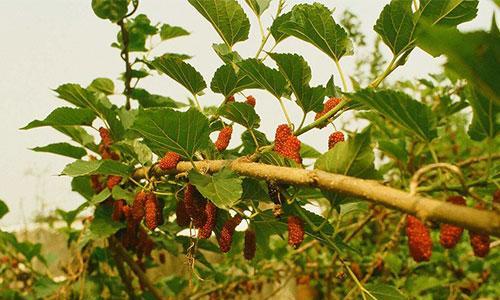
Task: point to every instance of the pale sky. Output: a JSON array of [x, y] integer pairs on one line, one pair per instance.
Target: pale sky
[[48, 43]]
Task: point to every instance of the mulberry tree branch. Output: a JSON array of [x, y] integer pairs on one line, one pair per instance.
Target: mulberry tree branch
[[487, 222]]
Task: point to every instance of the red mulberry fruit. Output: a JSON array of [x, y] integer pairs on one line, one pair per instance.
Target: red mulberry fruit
[[105, 137], [112, 181], [419, 239], [95, 183], [450, 235], [169, 161], [181, 215], [195, 205], [480, 242], [250, 245], [496, 197], [335, 138], [226, 234], [286, 144], [138, 206], [327, 106], [151, 211], [282, 133], [251, 101], [118, 210], [211, 212], [295, 231], [223, 139], [230, 99]]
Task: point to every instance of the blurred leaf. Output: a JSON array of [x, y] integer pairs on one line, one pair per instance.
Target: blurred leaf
[[82, 186], [396, 26], [473, 56], [101, 197], [396, 149], [181, 72], [169, 32], [241, 113], [103, 226], [266, 78], [105, 167], [385, 292], [448, 12], [102, 85], [64, 116], [43, 286], [227, 17], [307, 151], [485, 114], [222, 188], [227, 82], [399, 107], [298, 73], [4, 209], [314, 24], [64, 149], [113, 10], [168, 130]]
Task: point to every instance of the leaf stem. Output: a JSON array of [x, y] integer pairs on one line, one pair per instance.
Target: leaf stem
[[283, 108], [197, 102], [386, 73], [341, 73], [325, 117]]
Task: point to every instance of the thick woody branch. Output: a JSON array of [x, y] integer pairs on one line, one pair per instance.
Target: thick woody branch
[[482, 221]]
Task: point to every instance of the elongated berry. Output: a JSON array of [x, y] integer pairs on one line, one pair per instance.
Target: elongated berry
[[112, 181], [251, 100], [226, 234], [335, 138], [327, 106], [105, 137], [480, 242], [118, 210], [206, 230], [295, 231], [169, 161], [250, 245], [181, 215], [138, 206], [151, 211], [195, 205], [224, 137], [449, 235], [282, 133], [419, 239], [95, 183]]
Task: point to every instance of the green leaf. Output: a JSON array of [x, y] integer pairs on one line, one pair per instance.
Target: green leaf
[[225, 53], [139, 29], [313, 23], [135, 149], [307, 151], [181, 72], [113, 10], [399, 107], [395, 148], [102, 196], [227, 82], [223, 188], [169, 32], [266, 78], [64, 149], [64, 116], [258, 6], [4, 209], [448, 12], [82, 186], [396, 26], [385, 292], [168, 130], [353, 157], [227, 17], [298, 73], [485, 114], [249, 146], [241, 113], [119, 193], [147, 100], [273, 158], [78, 135], [277, 34], [105, 167], [472, 55], [103, 226], [102, 85], [43, 286]]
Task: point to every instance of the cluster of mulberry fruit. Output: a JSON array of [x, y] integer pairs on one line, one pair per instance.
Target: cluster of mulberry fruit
[[224, 138], [104, 146], [450, 235], [250, 100], [480, 242], [286, 144], [169, 161], [335, 138], [225, 238], [327, 106], [419, 239], [295, 231]]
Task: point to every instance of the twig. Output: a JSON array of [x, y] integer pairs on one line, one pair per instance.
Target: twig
[[483, 221], [474, 160], [123, 275]]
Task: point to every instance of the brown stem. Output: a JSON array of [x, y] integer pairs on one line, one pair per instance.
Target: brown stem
[[474, 160], [116, 247], [128, 67], [487, 222], [123, 274]]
